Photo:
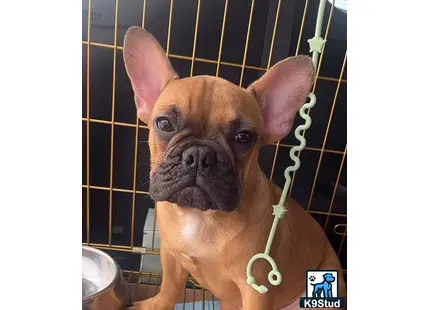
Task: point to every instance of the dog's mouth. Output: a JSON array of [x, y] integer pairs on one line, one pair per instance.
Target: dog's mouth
[[195, 192], [202, 182], [193, 197]]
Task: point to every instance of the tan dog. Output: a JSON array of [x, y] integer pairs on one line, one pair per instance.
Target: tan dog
[[214, 203]]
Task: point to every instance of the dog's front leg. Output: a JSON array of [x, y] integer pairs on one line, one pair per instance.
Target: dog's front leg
[[253, 300], [172, 286]]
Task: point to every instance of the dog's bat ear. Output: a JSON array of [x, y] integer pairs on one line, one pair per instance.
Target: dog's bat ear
[[147, 67], [281, 92]]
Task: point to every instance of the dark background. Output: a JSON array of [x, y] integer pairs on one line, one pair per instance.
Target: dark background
[[101, 96]]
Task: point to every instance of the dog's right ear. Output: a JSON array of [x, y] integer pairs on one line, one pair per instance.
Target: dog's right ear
[[147, 67], [281, 92]]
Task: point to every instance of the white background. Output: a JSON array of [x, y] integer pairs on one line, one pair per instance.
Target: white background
[[40, 153]]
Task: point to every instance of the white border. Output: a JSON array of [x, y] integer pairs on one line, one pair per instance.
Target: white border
[[40, 154], [388, 155], [340, 4]]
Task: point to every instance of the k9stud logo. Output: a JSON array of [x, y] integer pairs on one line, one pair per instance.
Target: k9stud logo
[[322, 288]]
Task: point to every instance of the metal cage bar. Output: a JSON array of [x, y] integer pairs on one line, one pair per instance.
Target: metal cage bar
[[334, 191], [136, 152], [245, 52], [196, 31], [342, 242], [221, 41], [333, 106], [88, 123], [112, 133], [275, 28], [275, 157], [209, 61], [315, 84]]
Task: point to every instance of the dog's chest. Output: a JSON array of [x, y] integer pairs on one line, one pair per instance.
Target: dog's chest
[[205, 264], [190, 228], [191, 238]]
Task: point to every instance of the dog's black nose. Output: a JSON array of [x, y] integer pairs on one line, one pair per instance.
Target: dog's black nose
[[201, 157]]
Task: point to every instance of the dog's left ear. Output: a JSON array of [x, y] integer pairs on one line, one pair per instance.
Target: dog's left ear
[[281, 92]]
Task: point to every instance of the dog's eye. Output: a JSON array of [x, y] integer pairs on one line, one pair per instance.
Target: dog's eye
[[243, 137], [164, 124]]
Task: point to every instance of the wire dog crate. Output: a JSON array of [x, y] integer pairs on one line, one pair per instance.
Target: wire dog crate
[[236, 40]]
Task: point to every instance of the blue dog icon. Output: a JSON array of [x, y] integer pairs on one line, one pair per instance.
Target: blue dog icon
[[324, 286]]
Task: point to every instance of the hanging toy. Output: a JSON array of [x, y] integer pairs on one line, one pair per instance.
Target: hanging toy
[[275, 277]]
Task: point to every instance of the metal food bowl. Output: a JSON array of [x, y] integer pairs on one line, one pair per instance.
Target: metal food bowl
[[103, 286]]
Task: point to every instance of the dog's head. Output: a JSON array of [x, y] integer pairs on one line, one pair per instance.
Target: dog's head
[[205, 132], [328, 277]]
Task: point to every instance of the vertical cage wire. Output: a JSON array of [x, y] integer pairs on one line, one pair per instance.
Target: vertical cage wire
[[136, 152], [342, 242], [157, 289], [275, 28], [112, 133], [221, 41], [275, 157], [169, 28], [326, 133], [196, 31], [139, 277], [194, 295], [88, 122], [245, 52], [315, 84], [305, 10], [185, 296], [133, 201], [147, 286], [335, 189], [203, 298]]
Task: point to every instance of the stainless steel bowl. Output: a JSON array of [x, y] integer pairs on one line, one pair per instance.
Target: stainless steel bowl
[[103, 286]]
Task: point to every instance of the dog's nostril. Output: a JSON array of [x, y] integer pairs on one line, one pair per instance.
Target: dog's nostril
[[190, 157], [209, 159], [189, 160], [201, 157]]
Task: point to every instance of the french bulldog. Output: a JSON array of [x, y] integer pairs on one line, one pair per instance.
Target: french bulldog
[[214, 203]]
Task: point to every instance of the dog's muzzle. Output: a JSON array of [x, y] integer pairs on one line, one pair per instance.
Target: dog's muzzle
[[198, 176]]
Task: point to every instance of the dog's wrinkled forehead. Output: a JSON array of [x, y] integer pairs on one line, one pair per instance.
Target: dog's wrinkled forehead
[[209, 103]]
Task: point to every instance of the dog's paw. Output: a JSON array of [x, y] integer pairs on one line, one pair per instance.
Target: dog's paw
[[142, 305]]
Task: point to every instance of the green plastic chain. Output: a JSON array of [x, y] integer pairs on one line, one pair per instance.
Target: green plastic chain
[[275, 277]]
